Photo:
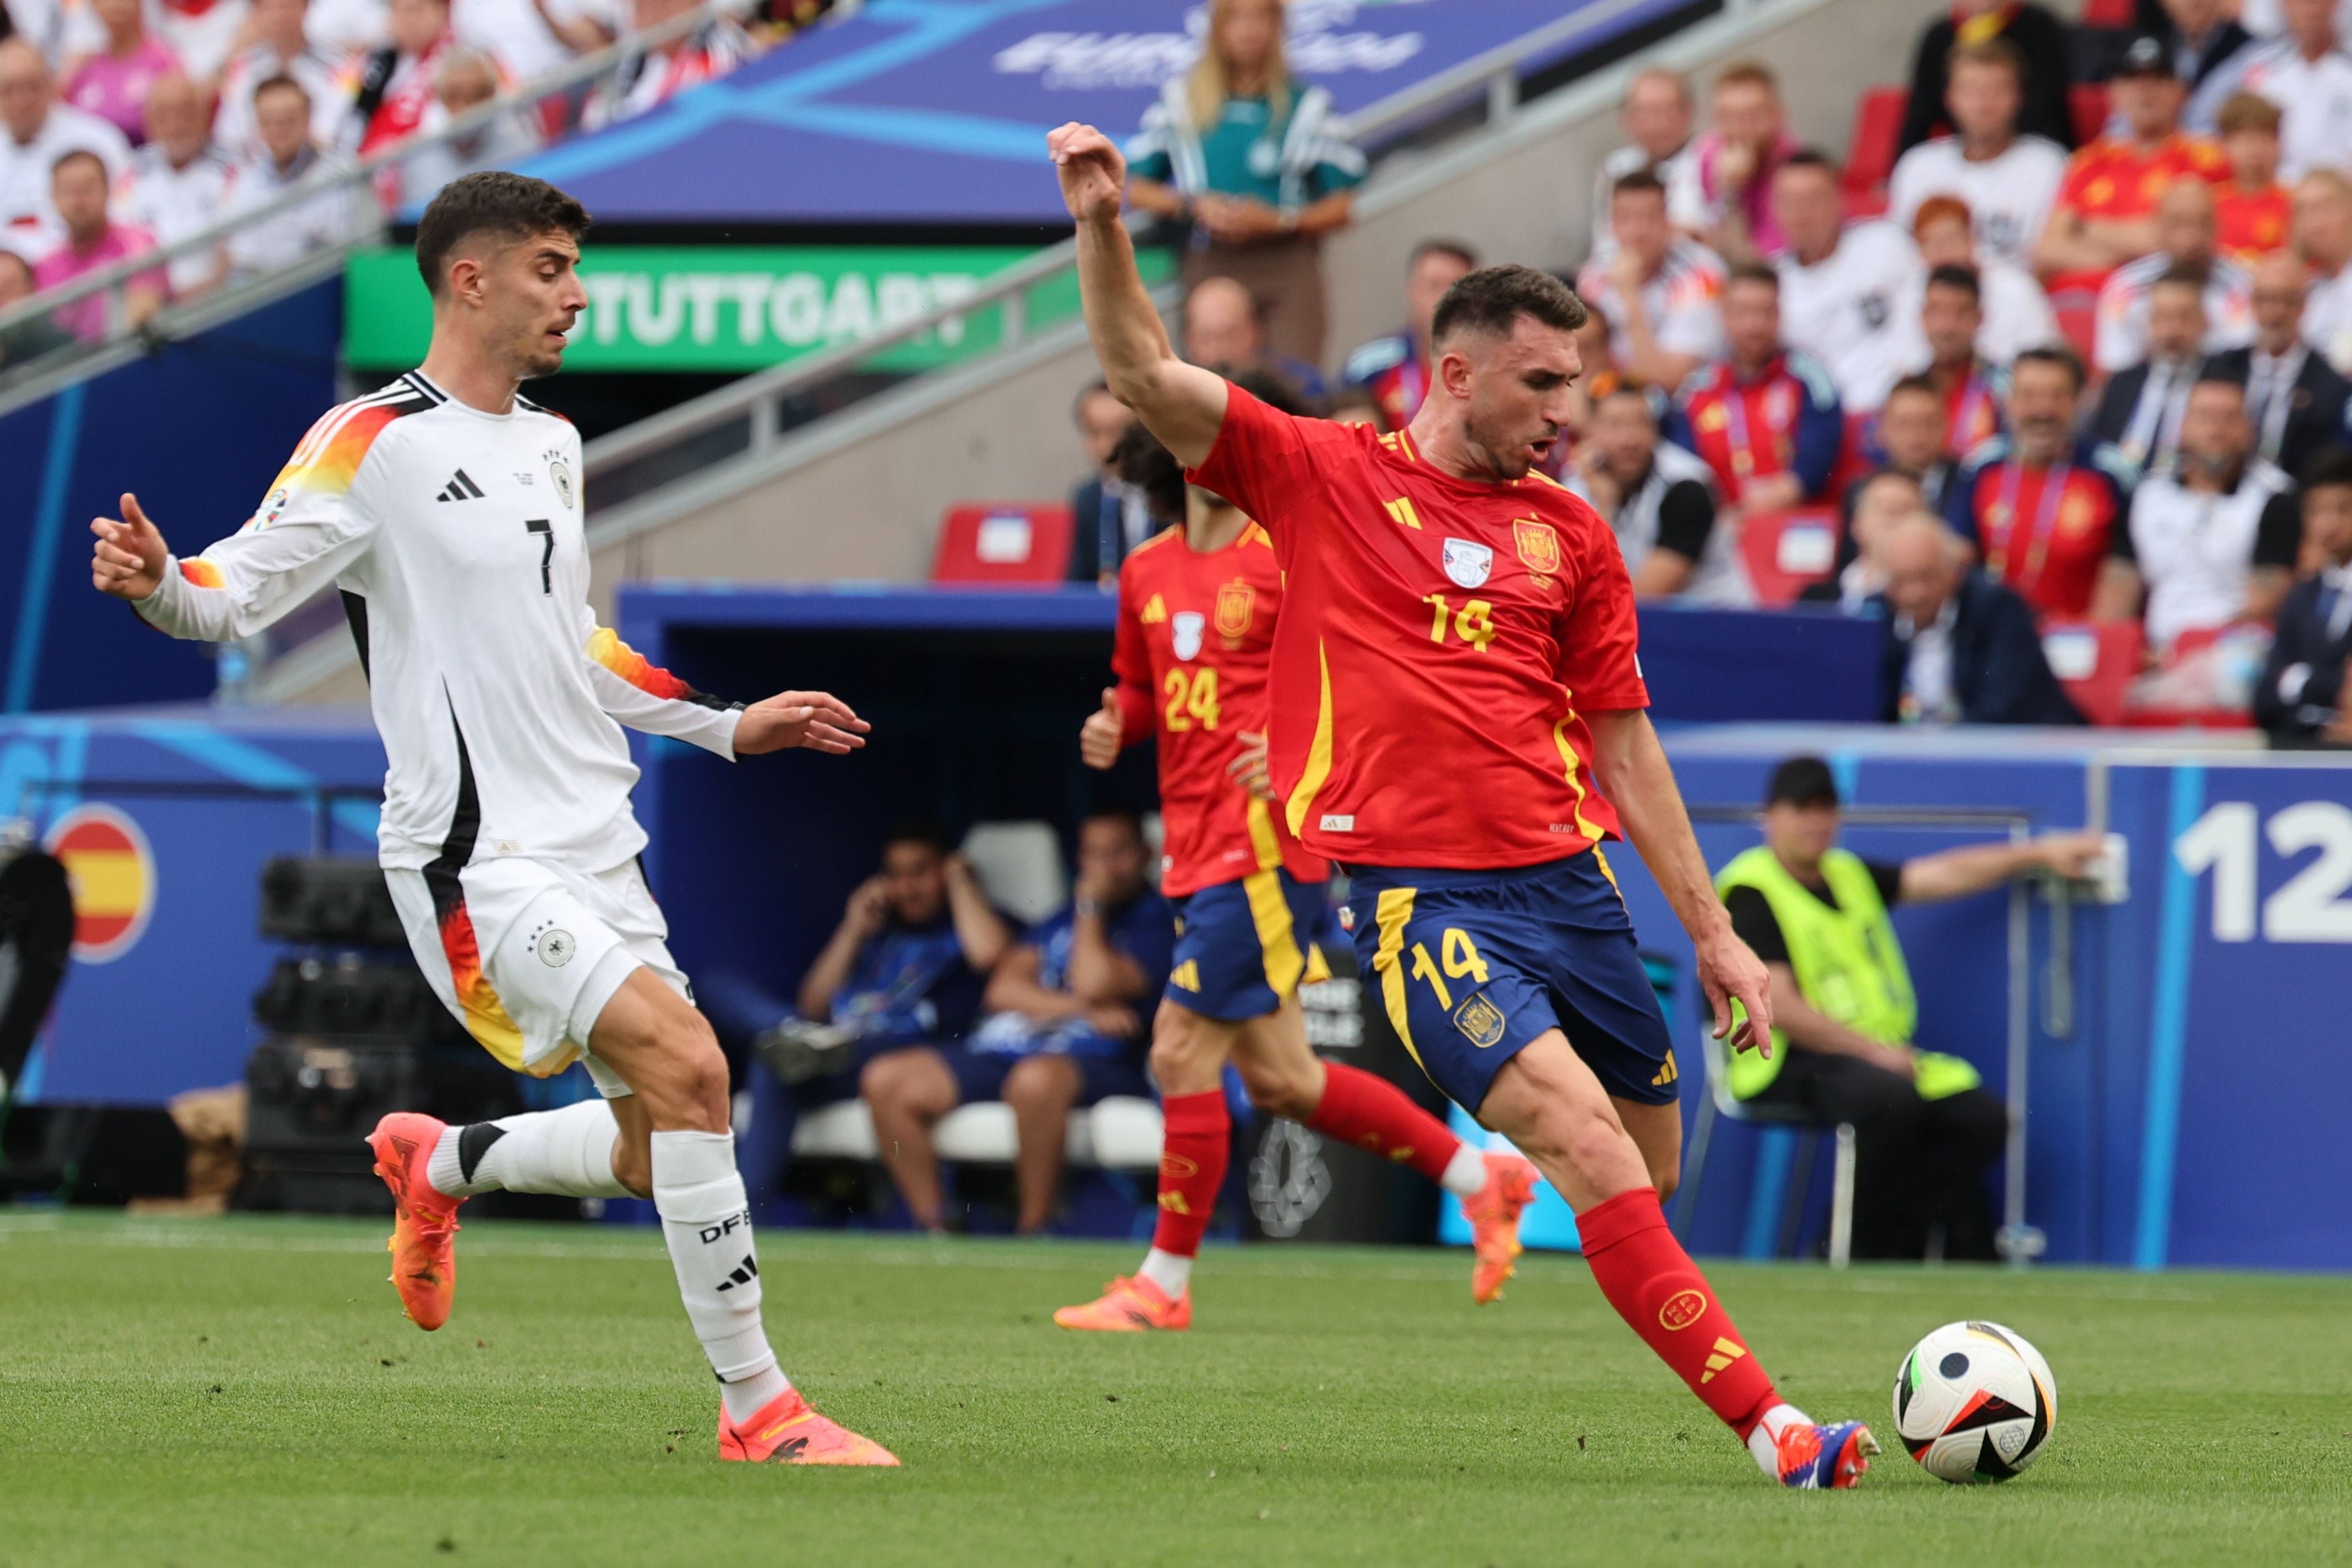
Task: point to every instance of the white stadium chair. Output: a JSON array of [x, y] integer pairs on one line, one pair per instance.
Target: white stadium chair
[[1121, 1133], [1020, 864]]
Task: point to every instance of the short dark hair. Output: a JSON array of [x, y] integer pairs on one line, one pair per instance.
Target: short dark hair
[[2181, 274], [2330, 466], [1913, 384], [282, 82], [1802, 781], [1753, 272], [1811, 157], [2210, 377], [511, 206], [1963, 279], [1440, 245], [2058, 354], [1641, 181], [1493, 298], [927, 832], [1127, 815], [75, 156]]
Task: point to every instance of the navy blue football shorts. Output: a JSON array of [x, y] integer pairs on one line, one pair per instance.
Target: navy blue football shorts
[[1242, 947], [1472, 965]]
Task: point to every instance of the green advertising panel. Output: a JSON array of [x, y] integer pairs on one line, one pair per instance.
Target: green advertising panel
[[730, 308]]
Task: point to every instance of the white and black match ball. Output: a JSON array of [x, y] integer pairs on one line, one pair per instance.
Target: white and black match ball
[[1974, 1402]]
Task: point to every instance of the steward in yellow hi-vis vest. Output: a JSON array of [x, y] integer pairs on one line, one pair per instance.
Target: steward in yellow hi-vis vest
[[1846, 1016]]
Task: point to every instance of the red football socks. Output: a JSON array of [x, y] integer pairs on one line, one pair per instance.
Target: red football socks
[[1192, 1168], [1655, 1287], [1367, 1111]]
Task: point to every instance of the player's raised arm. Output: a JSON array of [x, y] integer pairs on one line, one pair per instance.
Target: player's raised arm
[[1179, 404], [1632, 769]]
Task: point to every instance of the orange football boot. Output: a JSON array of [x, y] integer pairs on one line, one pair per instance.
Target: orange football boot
[[1494, 1215], [1130, 1304], [424, 1223], [786, 1431]]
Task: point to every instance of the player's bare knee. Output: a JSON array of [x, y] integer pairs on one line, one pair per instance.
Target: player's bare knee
[[1281, 1089]]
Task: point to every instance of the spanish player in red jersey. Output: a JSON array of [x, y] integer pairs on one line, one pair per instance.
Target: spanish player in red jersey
[[1459, 719], [1198, 605]]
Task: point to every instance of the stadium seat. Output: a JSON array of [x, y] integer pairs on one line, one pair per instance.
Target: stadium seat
[[2087, 102], [1121, 1133], [1778, 1120], [2096, 661], [2078, 319], [1020, 864], [2108, 14], [1787, 551], [1025, 542], [2190, 644], [1870, 154]]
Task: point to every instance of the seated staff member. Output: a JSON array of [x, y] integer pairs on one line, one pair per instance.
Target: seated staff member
[[1066, 1030], [1844, 1016], [905, 967], [1660, 502], [1765, 418], [2041, 510]]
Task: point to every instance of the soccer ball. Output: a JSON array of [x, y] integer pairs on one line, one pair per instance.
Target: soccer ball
[[1975, 1403]]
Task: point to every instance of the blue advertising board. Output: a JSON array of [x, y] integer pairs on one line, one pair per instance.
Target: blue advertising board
[[935, 111]]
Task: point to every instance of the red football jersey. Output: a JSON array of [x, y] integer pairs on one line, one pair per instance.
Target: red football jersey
[[1195, 637], [1439, 639]]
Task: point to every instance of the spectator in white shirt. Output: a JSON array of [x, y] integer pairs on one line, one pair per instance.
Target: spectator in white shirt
[[1656, 118], [178, 183], [281, 109], [2213, 537], [2306, 74], [1661, 293], [464, 78], [281, 46], [2008, 181], [2017, 314], [2185, 244], [532, 38], [341, 28], [645, 81], [1840, 290], [1660, 501], [2323, 238], [36, 131]]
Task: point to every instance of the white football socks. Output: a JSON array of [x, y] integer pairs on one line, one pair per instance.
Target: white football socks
[[707, 1221], [567, 1152], [1169, 1271], [1466, 1173], [1763, 1442]]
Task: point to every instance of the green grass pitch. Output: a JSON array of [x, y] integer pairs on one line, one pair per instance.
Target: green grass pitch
[[245, 1391]]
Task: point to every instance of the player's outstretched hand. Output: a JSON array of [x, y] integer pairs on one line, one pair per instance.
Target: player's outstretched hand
[[128, 559], [817, 720], [1098, 738], [1729, 971], [1093, 173], [1248, 766]]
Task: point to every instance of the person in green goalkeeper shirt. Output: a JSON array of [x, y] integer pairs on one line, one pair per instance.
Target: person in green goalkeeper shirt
[[1844, 1017]]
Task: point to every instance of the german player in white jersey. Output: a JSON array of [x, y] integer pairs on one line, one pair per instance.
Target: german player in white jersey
[[446, 510]]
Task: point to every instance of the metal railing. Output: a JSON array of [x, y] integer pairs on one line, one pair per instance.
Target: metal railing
[[354, 181]]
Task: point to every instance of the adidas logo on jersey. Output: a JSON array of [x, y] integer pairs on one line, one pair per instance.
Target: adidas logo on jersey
[[461, 488]]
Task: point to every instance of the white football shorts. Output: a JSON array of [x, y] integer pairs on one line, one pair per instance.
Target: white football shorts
[[526, 953]]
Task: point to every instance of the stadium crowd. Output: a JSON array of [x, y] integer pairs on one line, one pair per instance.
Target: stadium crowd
[[197, 109], [2096, 330]]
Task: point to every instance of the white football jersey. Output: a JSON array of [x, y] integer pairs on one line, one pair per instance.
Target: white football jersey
[[2009, 197], [1843, 310], [456, 536]]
